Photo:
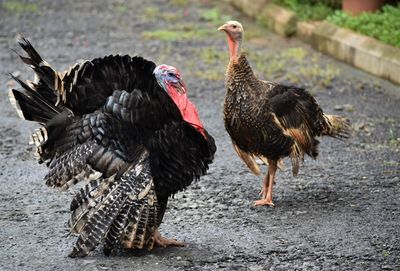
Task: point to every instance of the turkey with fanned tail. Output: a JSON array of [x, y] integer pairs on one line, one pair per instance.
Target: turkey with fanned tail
[[128, 129]]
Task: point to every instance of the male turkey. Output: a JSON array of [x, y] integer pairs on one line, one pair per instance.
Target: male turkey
[[127, 128], [270, 120]]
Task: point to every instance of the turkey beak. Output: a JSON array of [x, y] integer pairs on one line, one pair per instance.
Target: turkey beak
[[181, 87], [222, 27]]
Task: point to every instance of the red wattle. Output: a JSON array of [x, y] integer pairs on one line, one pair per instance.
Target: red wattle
[[187, 108], [191, 115]]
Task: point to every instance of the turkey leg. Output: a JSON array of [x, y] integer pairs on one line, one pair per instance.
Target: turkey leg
[[165, 242], [265, 185], [268, 184]]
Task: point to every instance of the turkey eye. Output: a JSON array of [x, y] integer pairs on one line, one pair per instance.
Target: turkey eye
[[234, 26], [171, 74]]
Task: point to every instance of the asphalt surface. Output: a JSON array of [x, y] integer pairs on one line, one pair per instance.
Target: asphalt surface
[[342, 212]]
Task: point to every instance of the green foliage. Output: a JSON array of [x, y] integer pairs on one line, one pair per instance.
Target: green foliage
[[383, 25], [214, 16], [17, 7], [310, 9], [334, 4]]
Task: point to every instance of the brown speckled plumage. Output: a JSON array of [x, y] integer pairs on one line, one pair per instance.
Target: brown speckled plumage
[[256, 124], [269, 120]]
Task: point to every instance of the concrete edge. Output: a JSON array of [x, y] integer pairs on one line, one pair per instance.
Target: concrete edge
[[363, 52]]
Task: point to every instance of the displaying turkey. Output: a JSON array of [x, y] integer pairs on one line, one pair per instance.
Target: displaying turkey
[[271, 121], [128, 129]]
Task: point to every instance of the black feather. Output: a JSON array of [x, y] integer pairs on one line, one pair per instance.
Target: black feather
[[110, 123]]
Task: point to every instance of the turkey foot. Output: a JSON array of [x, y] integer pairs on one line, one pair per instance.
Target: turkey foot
[[265, 201], [165, 242], [268, 183]]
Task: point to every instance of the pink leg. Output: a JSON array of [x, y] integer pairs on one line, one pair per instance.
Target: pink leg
[[268, 186], [264, 189]]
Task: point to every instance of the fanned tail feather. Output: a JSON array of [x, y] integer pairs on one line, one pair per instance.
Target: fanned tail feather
[[142, 222], [338, 126], [117, 210], [31, 104], [45, 73]]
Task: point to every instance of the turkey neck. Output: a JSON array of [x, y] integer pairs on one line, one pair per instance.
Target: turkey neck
[[234, 48], [239, 72]]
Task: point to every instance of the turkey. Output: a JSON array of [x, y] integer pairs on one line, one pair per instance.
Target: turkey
[[126, 128], [271, 121]]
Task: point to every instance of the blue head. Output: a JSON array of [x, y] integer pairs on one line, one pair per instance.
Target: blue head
[[169, 78]]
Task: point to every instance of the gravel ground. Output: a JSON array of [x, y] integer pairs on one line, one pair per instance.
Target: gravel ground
[[341, 213]]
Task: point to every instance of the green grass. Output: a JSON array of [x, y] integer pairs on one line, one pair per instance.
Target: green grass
[[297, 53], [171, 16], [383, 25], [122, 8], [274, 66], [212, 56], [184, 32], [17, 7], [214, 74], [214, 16], [394, 139], [151, 12], [279, 67], [179, 3]]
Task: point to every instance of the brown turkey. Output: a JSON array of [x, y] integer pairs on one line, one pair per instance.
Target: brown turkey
[[271, 121]]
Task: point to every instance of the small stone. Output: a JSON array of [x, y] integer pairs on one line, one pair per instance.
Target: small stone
[[338, 107], [256, 268], [348, 107]]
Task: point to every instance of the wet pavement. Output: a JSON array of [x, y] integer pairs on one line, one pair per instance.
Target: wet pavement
[[342, 212]]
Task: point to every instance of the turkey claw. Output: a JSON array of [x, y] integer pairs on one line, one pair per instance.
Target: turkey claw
[[165, 242], [262, 202]]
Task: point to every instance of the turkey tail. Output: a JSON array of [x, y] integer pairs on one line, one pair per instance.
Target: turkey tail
[[116, 210], [43, 70], [338, 126], [31, 104], [296, 156]]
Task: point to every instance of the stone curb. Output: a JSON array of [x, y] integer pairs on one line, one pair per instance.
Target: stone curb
[[363, 52], [279, 19]]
